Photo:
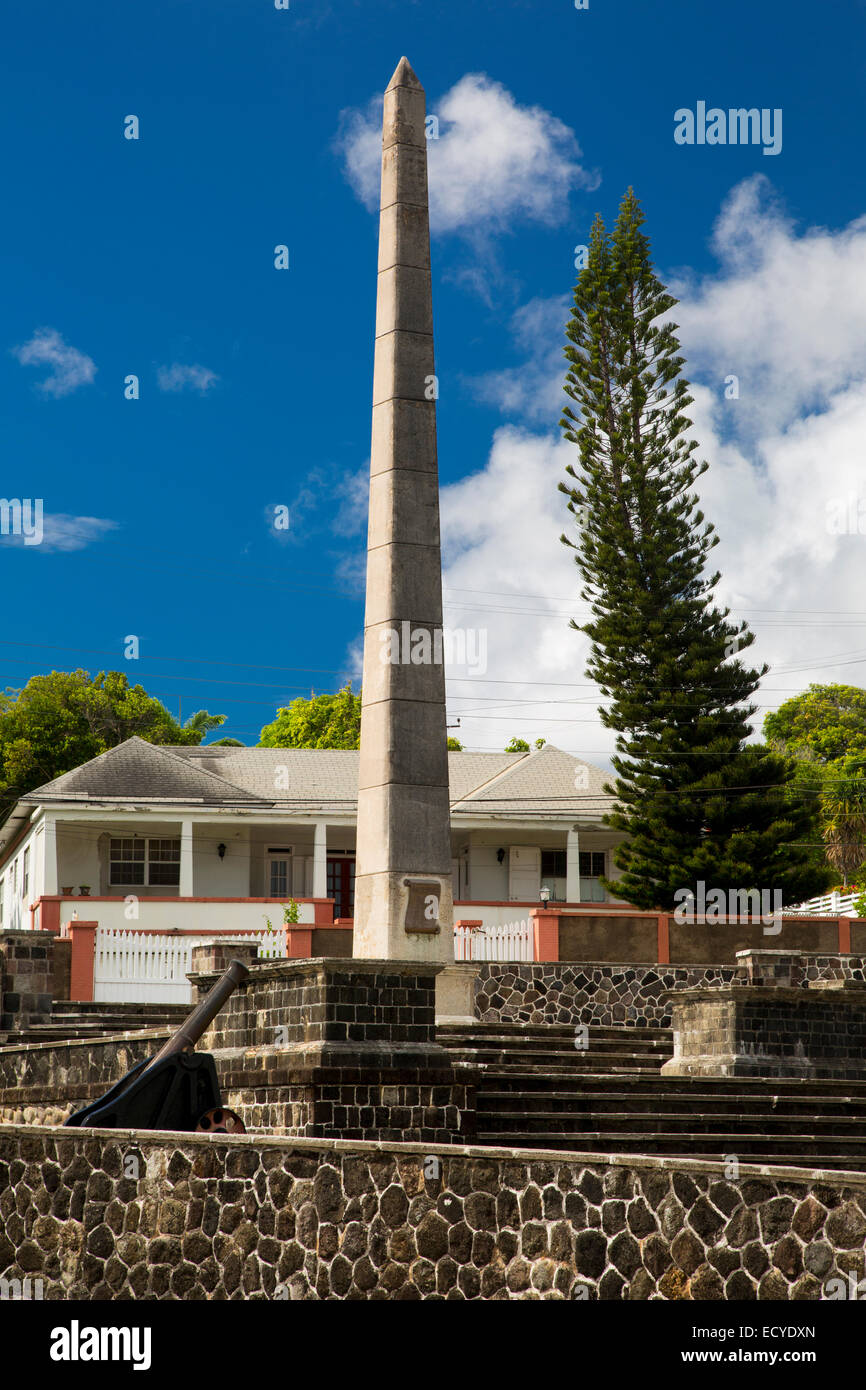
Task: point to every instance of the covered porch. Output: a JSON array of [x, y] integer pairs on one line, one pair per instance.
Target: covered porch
[[518, 862], [135, 868]]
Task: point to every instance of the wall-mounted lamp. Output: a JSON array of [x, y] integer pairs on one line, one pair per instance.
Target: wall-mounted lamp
[[221, 851], [500, 855]]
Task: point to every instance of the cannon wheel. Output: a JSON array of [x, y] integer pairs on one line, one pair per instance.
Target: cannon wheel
[[220, 1121]]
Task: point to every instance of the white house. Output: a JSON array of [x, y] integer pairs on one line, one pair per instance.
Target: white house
[[208, 836]]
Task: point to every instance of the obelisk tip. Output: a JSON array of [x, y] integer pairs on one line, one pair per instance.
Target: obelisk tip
[[404, 76]]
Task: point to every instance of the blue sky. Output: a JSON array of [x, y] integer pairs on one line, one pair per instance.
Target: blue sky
[[155, 257]]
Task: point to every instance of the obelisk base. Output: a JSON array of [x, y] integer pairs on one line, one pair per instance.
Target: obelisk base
[[404, 916]]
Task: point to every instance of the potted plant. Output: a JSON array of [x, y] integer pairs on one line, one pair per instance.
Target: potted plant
[[67, 892], [84, 890]]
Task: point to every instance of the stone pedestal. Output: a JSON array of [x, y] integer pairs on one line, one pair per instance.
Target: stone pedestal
[[217, 955], [455, 992], [342, 1049], [771, 1021]]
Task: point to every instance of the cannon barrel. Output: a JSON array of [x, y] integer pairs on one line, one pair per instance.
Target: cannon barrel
[[195, 1027], [178, 1088]]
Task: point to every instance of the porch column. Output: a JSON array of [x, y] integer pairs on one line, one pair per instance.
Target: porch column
[[185, 888], [49, 856], [572, 866], [320, 860]]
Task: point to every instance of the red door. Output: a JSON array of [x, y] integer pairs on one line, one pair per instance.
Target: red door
[[341, 886]]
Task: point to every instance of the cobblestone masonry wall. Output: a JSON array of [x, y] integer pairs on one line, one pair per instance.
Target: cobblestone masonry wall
[[559, 992], [143, 1216]]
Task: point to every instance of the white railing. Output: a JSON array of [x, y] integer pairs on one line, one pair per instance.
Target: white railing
[[833, 904], [501, 941], [146, 967]]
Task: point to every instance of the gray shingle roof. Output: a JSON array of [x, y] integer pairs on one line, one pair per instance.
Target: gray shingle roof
[[284, 774], [539, 783], [547, 780], [143, 771]]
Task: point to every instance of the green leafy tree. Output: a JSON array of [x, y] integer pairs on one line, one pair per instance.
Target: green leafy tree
[[455, 746], [517, 745], [61, 720], [825, 722], [824, 728], [696, 802], [322, 721]]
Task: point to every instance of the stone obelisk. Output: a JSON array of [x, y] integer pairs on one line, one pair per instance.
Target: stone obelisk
[[403, 897]]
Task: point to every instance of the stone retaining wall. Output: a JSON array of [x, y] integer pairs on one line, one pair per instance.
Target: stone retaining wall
[[105, 1215], [47, 1081], [595, 992]]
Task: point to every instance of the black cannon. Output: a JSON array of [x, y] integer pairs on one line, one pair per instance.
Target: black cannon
[[178, 1088]]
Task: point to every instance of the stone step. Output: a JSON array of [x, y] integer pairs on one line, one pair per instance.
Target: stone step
[[549, 1062], [699, 1103], [77, 1020], [829, 1161], [686, 1121], [536, 1054], [528, 1047], [667, 1142], [522, 1079], [550, 1047], [536, 1090], [460, 1032], [97, 1006]]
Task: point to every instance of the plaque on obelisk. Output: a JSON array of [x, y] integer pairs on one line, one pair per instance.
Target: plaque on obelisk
[[403, 897]]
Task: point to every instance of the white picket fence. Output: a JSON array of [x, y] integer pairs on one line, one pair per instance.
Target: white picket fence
[[147, 967], [500, 941], [834, 904]]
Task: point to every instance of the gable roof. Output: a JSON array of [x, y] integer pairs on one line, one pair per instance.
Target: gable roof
[[326, 774], [143, 772], [538, 784], [545, 780]]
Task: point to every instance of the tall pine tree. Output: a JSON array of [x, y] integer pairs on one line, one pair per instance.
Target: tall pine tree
[[695, 800]]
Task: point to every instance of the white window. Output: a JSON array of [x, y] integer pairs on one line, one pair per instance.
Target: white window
[[25, 873], [592, 866], [279, 879], [136, 861], [554, 874], [163, 861]]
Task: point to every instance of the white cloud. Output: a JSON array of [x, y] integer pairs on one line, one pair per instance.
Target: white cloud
[[495, 162], [63, 532], [354, 494], [179, 377], [69, 368], [506, 574], [784, 312], [533, 390]]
